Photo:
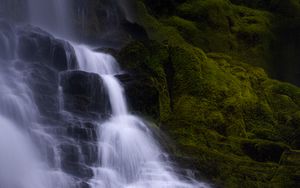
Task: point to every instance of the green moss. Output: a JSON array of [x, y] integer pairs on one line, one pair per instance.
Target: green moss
[[262, 151], [265, 134], [156, 30], [148, 63], [187, 63], [213, 12], [187, 29], [222, 27], [227, 116]]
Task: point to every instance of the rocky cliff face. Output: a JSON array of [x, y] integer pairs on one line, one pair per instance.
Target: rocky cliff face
[[70, 102], [209, 61]]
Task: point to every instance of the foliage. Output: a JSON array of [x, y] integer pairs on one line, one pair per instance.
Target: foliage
[[225, 115]]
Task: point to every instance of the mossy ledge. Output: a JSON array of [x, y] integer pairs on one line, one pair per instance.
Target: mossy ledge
[[229, 120]]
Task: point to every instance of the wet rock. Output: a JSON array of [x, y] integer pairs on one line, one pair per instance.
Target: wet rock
[[36, 45], [142, 96], [84, 185], [77, 169], [70, 153], [81, 133], [264, 151], [83, 92], [44, 83], [89, 151], [136, 31]]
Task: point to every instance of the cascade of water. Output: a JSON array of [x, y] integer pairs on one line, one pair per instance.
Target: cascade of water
[[128, 154], [21, 165], [29, 156]]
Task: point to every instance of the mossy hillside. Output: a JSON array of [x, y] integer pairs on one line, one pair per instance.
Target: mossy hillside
[[237, 30], [147, 64], [233, 110], [219, 26], [210, 70], [228, 118], [285, 45]]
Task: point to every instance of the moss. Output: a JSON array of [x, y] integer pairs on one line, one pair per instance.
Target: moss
[[285, 7], [265, 134], [213, 12], [288, 90], [224, 168], [222, 27], [156, 30], [187, 63], [214, 26], [229, 109], [225, 115], [263, 151], [187, 29], [147, 62]]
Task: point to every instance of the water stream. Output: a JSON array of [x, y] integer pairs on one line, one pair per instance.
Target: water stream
[[39, 150], [128, 154]]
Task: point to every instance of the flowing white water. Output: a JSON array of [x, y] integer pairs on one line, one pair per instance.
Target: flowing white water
[[129, 155], [21, 165]]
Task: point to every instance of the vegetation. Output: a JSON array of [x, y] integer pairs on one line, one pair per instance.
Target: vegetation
[[227, 117]]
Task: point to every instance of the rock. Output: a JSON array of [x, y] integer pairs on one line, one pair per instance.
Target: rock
[[44, 84], [264, 151], [101, 22], [142, 96], [83, 92], [82, 133], [70, 153], [78, 170], [229, 119], [90, 152], [136, 31], [84, 185], [145, 79], [36, 45]]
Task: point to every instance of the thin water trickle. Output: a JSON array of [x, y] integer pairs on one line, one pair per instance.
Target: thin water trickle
[[21, 164]]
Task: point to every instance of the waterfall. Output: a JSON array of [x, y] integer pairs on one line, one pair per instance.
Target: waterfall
[[21, 164], [128, 154], [56, 129]]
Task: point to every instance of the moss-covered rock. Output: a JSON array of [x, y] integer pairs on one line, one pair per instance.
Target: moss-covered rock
[[227, 117]]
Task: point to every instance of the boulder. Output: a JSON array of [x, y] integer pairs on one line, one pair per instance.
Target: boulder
[[78, 170], [36, 45], [84, 93], [263, 151], [142, 96]]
